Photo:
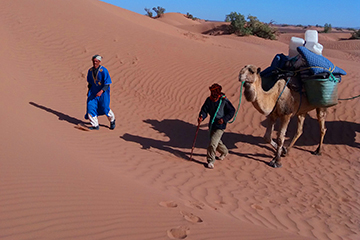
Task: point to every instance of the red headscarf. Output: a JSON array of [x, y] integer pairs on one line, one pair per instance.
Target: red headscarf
[[215, 92]]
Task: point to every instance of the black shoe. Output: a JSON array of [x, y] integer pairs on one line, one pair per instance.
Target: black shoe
[[112, 125], [94, 128]]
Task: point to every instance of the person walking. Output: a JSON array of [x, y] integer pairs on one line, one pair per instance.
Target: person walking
[[98, 96], [221, 111]]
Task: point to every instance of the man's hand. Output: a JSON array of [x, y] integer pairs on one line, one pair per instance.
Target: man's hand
[[221, 121], [99, 93], [200, 120]]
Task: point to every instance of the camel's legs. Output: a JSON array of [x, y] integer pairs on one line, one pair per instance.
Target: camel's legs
[[321, 115], [268, 132], [300, 126], [284, 122]]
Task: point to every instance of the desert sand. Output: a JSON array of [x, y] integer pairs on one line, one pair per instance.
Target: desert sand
[[135, 182]]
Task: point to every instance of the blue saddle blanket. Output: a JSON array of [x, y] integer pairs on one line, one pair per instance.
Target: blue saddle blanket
[[318, 63], [278, 62]]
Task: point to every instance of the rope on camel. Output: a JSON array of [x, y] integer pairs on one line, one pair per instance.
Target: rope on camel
[[237, 110], [331, 76], [349, 98]]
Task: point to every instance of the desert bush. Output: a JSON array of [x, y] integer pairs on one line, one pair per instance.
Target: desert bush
[[188, 15], [355, 34], [253, 26], [260, 29], [327, 28], [159, 11], [148, 12], [237, 24]]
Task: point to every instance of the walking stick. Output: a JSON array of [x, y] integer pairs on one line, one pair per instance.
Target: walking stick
[[193, 146]]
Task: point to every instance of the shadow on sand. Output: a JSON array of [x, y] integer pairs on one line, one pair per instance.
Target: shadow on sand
[[181, 135], [337, 133], [62, 116]]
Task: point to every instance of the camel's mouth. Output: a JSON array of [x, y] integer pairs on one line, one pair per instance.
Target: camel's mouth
[[247, 84], [243, 78]]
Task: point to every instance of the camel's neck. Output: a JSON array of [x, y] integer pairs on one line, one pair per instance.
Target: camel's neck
[[265, 101]]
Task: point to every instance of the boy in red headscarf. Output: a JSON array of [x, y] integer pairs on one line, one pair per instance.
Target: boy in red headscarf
[[221, 111]]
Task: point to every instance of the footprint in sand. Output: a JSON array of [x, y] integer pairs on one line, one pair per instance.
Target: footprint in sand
[[198, 205], [178, 233], [257, 207], [316, 206], [191, 217], [220, 203], [169, 204], [135, 60]]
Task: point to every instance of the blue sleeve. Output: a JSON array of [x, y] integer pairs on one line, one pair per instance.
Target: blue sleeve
[[229, 111], [106, 77], [204, 109], [89, 79]]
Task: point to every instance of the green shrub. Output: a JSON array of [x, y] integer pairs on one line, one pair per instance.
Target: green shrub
[[253, 26], [148, 12], [237, 24], [355, 34], [159, 11], [188, 15], [327, 28], [261, 29]]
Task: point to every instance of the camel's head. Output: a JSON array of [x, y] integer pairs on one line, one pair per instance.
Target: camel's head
[[248, 74]]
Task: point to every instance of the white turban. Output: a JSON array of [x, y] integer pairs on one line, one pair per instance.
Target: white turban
[[98, 57]]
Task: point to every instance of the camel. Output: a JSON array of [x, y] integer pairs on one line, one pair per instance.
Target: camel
[[279, 102]]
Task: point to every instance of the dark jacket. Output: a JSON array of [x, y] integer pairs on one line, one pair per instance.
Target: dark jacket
[[226, 112]]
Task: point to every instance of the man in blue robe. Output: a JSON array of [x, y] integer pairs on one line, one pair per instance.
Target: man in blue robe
[[98, 97]]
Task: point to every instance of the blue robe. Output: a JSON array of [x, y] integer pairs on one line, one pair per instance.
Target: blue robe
[[97, 106]]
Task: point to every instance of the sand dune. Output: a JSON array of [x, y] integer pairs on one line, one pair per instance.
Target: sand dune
[[58, 182]]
